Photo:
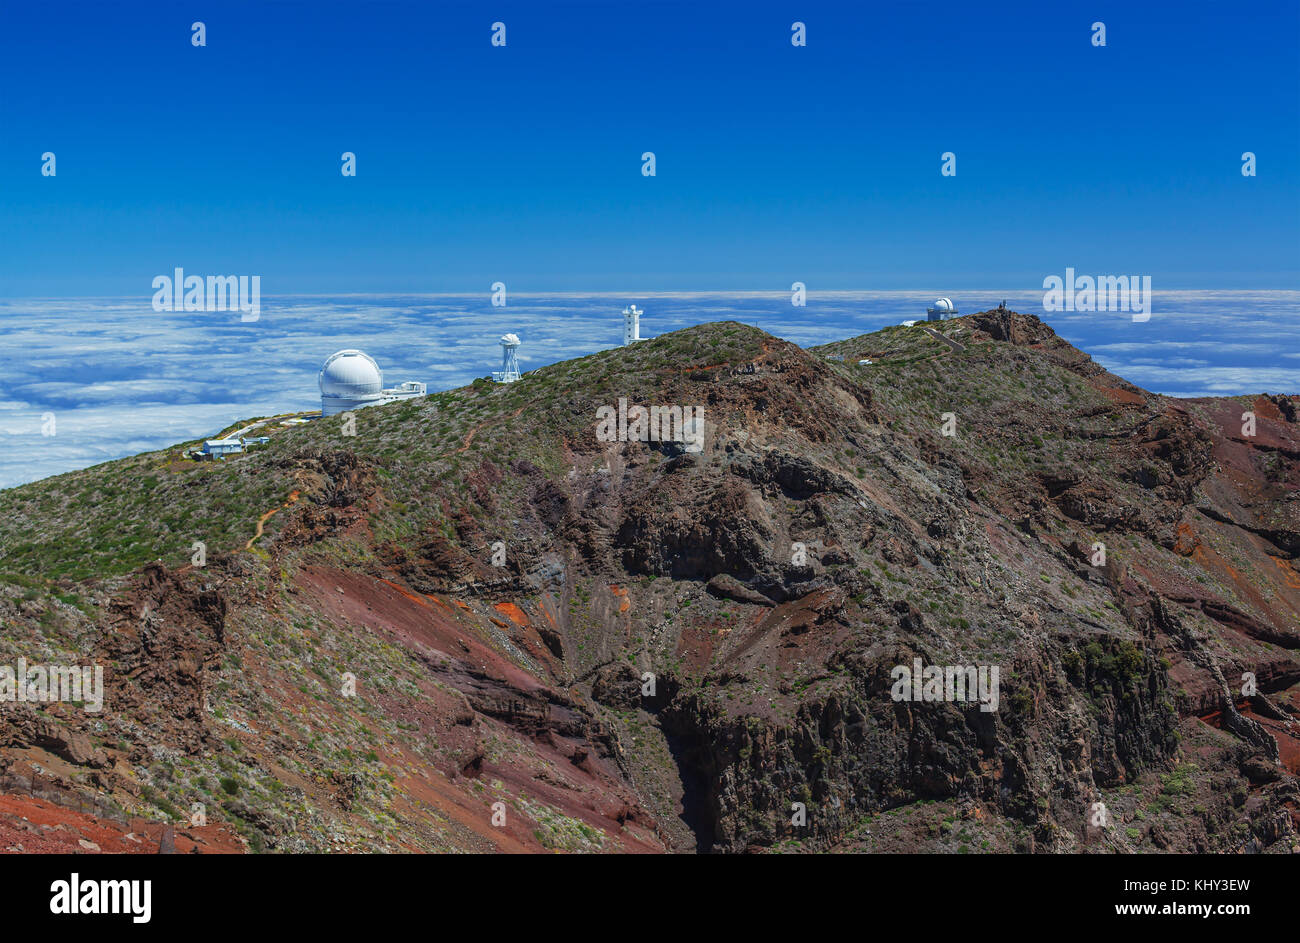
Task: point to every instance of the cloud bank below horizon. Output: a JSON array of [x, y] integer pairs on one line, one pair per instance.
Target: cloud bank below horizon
[[120, 378]]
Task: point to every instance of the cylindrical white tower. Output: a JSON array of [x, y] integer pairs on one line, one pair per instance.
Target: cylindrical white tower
[[631, 325]]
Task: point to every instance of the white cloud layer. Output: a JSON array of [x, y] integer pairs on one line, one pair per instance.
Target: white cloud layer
[[120, 378]]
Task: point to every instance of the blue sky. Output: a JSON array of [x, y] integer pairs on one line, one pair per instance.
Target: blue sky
[[522, 163]]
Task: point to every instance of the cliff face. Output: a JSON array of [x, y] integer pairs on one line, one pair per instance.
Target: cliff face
[[636, 646]]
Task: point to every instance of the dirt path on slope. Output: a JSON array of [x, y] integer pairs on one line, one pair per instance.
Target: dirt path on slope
[[469, 437], [261, 521]]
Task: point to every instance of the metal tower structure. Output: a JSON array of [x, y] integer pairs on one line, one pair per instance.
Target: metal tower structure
[[509, 372]]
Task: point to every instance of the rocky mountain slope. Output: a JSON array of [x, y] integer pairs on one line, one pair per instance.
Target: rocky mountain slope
[[476, 625]]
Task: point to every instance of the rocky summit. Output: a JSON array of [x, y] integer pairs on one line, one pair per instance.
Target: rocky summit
[[710, 592]]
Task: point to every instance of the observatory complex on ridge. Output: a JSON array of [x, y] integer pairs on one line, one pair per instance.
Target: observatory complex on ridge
[[351, 379]]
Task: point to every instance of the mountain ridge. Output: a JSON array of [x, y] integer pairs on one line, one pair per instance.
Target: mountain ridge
[[827, 532]]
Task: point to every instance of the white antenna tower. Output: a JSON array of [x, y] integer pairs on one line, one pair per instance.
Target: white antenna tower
[[509, 372], [631, 325]]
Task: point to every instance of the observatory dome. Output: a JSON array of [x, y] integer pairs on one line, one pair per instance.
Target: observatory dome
[[943, 304], [351, 374], [509, 340]]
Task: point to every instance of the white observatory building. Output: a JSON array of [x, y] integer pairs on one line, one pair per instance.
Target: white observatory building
[[631, 325], [941, 309], [509, 372], [351, 379]]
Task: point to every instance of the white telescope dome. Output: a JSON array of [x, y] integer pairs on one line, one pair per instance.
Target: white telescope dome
[[944, 304], [351, 374], [509, 340]]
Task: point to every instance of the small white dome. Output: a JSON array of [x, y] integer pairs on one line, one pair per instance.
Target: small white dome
[[944, 304], [351, 373], [509, 340]]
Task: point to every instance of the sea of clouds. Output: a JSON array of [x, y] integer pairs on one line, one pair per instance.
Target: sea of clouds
[[119, 378]]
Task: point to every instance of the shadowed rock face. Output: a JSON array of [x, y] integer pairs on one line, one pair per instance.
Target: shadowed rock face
[[637, 648]]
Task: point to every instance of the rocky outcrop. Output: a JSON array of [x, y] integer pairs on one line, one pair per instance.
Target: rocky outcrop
[[162, 635]]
